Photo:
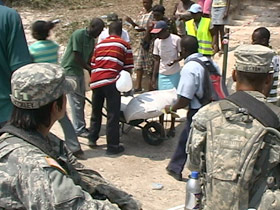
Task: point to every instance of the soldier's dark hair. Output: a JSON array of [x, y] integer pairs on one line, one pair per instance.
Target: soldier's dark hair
[[253, 79], [41, 29], [115, 28], [31, 119], [190, 44]]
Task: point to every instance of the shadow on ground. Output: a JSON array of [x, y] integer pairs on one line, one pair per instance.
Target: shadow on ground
[[135, 145]]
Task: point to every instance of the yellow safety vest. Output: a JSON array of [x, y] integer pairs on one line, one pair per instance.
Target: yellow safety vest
[[191, 28], [202, 34]]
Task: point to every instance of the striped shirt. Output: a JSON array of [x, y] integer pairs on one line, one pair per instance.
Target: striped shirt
[[111, 56], [273, 96], [219, 3], [44, 51]]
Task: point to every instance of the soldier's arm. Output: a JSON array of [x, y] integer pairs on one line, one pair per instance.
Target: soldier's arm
[[196, 144], [95, 184], [45, 185]]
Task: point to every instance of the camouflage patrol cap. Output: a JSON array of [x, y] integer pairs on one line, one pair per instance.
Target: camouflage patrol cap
[[38, 84], [254, 59]]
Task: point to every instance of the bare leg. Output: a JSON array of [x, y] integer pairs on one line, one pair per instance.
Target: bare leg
[[161, 119], [222, 33], [216, 39], [172, 126], [171, 132], [139, 76]]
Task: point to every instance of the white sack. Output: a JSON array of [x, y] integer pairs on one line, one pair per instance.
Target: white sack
[[125, 101], [150, 104], [124, 83]]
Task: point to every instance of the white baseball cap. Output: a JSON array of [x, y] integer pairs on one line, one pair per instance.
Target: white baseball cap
[[195, 8]]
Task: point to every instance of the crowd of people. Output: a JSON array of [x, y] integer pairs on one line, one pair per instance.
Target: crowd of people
[[34, 88]]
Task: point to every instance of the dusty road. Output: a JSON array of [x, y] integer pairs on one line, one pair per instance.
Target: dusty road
[[141, 165]]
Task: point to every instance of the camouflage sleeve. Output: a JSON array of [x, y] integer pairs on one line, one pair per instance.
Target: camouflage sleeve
[[94, 183], [196, 141], [201, 126], [41, 186]]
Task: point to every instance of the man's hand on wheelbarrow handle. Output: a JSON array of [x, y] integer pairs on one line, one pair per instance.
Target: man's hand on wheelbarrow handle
[[168, 110]]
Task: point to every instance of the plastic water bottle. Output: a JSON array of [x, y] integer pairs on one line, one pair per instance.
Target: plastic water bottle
[[193, 192]]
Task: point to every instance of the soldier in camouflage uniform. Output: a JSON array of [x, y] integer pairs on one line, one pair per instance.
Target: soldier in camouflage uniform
[[220, 130], [37, 171]]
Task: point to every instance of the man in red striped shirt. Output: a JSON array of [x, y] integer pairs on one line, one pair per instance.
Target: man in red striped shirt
[[111, 56]]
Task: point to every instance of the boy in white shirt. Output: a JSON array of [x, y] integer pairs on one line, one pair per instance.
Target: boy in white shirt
[[166, 70]]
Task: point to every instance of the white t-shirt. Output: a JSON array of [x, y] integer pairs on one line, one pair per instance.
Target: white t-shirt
[[105, 33], [168, 49]]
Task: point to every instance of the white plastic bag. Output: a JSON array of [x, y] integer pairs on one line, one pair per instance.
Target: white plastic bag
[[124, 83]]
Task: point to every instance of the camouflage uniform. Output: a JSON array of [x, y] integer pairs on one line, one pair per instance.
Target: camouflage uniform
[[204, 122], [38, 172], [214, 133]]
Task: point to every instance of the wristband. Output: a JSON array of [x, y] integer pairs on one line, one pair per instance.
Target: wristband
[[173, 113]]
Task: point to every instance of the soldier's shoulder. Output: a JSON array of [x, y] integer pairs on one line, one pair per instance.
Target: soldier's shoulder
[[22, 152], [274, 108], [208, 112]]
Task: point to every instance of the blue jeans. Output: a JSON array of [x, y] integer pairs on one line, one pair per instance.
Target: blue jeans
[[77, 104], [179, 157], [70, 136]]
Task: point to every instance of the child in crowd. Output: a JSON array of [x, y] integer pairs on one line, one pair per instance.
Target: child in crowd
[[159, 14], [219, 15], [43, 50], [166, 71], [46, 51]]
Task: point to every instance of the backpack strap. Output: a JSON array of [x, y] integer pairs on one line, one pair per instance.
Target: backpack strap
[[34, 138], [206, 94], [31, 137], [206, 98], [256, 108], [203, 64]]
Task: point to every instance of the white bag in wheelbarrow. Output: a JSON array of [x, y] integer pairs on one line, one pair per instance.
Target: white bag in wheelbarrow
[[150, 104], [124, 82]]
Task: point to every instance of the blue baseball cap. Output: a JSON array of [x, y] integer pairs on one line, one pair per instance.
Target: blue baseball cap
[[159, 26]]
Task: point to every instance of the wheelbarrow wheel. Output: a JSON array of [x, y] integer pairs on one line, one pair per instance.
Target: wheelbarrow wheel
[[153, 133]]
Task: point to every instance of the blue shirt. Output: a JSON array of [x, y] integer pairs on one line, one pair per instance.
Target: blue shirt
[[191, 80], [13, 55]]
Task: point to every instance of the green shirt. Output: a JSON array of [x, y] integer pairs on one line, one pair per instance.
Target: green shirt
[[80, 42], [13, 55]]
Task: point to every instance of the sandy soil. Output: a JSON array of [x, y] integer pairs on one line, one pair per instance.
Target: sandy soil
[[141, 165]]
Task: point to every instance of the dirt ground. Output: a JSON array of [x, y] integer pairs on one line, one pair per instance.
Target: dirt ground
[[141, 165]]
